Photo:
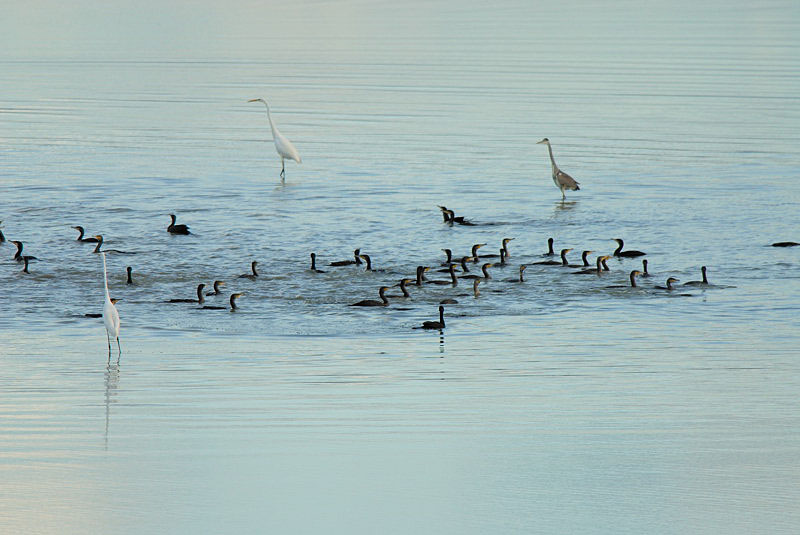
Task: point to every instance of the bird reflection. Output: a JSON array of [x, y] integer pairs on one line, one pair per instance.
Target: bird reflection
[[564, 206], [112, 383]]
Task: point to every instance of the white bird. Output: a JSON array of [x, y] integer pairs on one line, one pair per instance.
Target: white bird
[[284, 147], [562, 180], [110, 314]]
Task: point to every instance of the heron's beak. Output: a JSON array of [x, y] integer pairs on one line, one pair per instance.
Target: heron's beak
[[540, 142], [253, 100]]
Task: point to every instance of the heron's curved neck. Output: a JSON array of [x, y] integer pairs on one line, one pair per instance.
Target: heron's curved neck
[[105, 277], [552, 160]]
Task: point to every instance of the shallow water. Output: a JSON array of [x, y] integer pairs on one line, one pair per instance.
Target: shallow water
[[556, 405]]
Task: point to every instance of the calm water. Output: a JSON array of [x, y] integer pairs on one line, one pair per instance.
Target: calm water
[[554, 406]]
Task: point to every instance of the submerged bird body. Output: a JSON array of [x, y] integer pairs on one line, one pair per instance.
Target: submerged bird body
[[453, 279], [561, 179], [562, 262], [550, 251], [521, 278], [421, 275], [435, 324], [254, 273], [371, 302], [785, 244], [632, 277], [200, 299], [100, 244], [484, 269], [356, 260], [216, 291], [670, 282], [177, 229], [403, 283], [314, 264], [644, 269], [26, 259], [625, 254], [284, 147], [594, 271], [80, 237], [703, 282], [18, 256], [368, 260], [232, 302]]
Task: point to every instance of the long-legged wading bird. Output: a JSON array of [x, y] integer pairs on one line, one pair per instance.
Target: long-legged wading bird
[[284, 147], [561, 179], [110, 314]]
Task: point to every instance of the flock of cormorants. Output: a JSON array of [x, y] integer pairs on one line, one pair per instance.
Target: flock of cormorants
[[449, 266]]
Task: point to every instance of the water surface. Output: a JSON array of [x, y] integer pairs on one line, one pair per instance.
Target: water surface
[[557, 405]]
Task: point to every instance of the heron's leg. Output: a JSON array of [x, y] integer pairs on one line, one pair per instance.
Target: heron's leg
[[108, 339], [283, 169], [118, 346], [563, 195]]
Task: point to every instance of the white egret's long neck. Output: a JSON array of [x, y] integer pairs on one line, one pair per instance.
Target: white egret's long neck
[[269, 116], [552, 160], [105, 276]]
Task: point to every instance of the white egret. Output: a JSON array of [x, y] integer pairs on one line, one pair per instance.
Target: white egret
[[284, 147], [561, 179], [110, 314]]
